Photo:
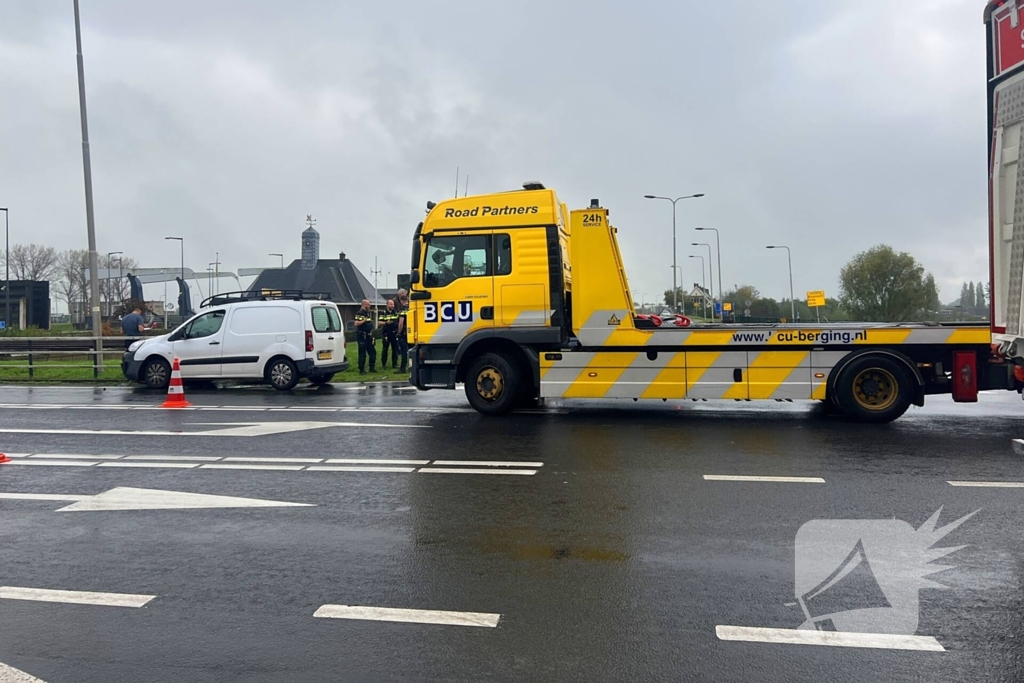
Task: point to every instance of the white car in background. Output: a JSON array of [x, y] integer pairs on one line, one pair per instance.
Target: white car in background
[[279, 337]]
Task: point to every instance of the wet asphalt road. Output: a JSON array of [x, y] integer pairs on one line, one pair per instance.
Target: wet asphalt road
[[616, 560]]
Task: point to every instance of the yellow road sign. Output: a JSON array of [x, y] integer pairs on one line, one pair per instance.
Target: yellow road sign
[[816, 299], [727, 305]]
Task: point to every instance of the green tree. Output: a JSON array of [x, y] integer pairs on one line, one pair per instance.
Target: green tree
[[971, 299], [979, 295], [883, 285], [963, 301], [932, 290]]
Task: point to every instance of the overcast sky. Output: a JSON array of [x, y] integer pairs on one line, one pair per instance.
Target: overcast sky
[[826, 126]]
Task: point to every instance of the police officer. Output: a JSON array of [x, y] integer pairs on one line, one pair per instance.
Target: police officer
[[403, 330], [364, 337], [388, 322]]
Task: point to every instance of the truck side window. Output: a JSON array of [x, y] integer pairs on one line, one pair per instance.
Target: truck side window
[[449, 258], [503, 254]]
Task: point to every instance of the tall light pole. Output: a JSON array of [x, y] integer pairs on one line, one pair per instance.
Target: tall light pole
[[7, 261], [704, 278], [182, 241], [94, 280], [718, 245], [281, 257], [675, 295], [789, 259], [711, 275], [109, 254]]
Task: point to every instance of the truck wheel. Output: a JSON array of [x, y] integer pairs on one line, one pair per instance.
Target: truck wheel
[[874, 389], [492, 384], [156, 374], [282, 374]]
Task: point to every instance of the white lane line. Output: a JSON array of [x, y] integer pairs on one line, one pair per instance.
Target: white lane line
[[161, 465], [989, 484], [438, 470], [74, 456], [74, 597], [789, 636], [8, 674], [40, 496], [410, 616], [782, 480], [487, 463], [240, 459], [327, 468], [372, 461], [54, 463], [219, 466], [202, 458]]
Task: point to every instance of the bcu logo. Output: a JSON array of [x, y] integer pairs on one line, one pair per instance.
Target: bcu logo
[[863, 576], [448, 312]]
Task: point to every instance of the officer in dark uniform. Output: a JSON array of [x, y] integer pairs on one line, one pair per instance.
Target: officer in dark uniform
[[364, 338], [388, 322], [403, 330]]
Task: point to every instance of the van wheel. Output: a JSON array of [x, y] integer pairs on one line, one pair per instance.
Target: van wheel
[[319, 380], [282, 374], [157, 374], [874, 389], [492, 384]]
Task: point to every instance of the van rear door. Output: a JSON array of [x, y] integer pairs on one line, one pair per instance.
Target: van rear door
[[325, 337]]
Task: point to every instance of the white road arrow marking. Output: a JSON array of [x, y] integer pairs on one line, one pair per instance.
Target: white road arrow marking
[[127, 498], [232, 429], [8, 674]]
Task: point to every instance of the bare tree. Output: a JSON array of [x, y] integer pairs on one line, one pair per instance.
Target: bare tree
[[30, 262], [71, 284], [116, 288]]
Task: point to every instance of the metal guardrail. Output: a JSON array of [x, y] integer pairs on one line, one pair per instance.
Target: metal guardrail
[[38, 350]]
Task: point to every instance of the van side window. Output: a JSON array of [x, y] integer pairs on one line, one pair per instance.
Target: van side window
[[456, 256], [326, 319], [205, 325], [503, 254]]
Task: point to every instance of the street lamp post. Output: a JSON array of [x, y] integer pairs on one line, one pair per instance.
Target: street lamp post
[[281, 257], [711, 275], [675, 295], [182, 241], [704, 278], [107, 279], [94, 282], [7, 262], [789, 259], [718, 245]]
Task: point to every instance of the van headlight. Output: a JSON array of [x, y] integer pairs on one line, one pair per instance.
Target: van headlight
[[135, 345]]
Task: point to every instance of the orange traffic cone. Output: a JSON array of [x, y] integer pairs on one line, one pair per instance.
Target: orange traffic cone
[[4, 458], [175, 391]]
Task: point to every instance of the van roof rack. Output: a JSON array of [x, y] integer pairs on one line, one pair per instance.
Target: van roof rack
[[265, 294]]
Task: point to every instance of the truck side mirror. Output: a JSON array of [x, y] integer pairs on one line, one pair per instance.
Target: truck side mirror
[[414, 276]]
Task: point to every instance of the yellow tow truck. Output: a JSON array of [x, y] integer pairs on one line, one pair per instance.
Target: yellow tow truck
[[520, 299]]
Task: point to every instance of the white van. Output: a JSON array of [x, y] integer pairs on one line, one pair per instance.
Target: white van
[[279, 337]]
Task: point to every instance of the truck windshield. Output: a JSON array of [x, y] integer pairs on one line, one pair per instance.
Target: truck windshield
[[452, 257]]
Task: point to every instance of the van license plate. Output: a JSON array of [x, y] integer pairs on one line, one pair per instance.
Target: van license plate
[[324, 355]]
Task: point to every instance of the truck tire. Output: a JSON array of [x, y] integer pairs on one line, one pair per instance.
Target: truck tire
[[874, 389], [492, 384], [156, 373], [282, 374]]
